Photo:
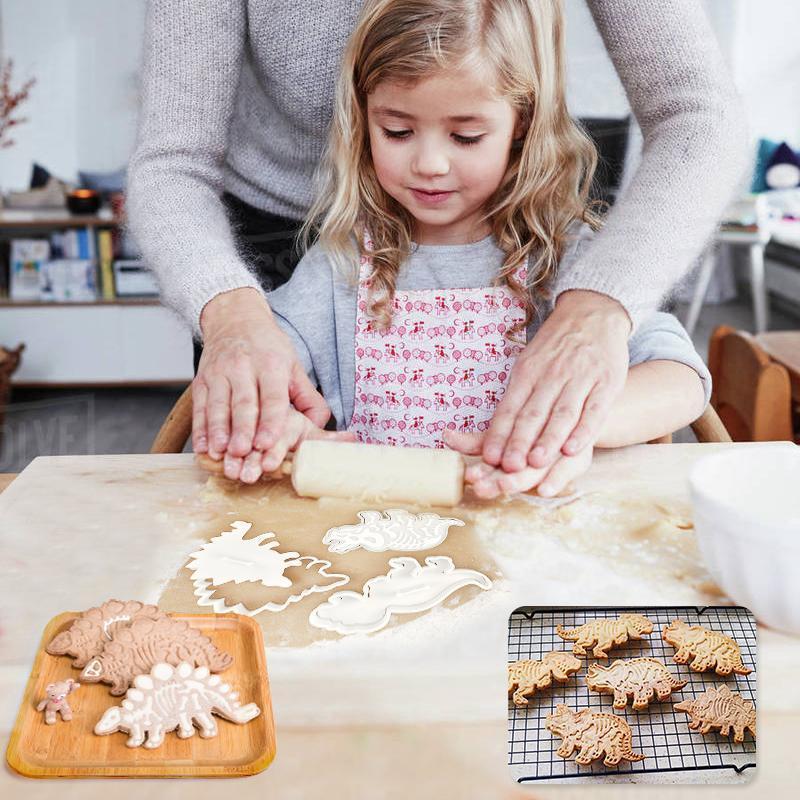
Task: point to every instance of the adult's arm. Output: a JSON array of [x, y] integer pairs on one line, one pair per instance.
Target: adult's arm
[[695, 151], [192, 60]]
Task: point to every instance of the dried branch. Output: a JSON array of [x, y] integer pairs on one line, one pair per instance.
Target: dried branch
[[9, 102]]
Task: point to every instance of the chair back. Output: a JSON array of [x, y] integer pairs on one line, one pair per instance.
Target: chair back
[[751, 393]]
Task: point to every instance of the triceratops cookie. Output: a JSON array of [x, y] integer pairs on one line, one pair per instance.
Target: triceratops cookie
[[711, 649], [88, 634], [720, 708], [525, 677], [639, 678], [606, 632], [135, 650], [592, 734]]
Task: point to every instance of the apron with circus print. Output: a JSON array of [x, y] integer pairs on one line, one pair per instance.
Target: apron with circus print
[[443, 362]]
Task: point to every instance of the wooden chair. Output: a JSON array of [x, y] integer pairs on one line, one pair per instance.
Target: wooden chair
[[177, 427], [751, 394]]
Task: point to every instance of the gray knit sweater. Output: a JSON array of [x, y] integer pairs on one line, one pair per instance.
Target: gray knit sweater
[[237, 96]]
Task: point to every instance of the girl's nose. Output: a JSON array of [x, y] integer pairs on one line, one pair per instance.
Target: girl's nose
[[430, 161]]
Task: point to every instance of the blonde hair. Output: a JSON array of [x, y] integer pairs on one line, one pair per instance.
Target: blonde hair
[[546, 184]]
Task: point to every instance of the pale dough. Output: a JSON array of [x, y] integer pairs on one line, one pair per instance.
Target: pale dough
[[419, 475]]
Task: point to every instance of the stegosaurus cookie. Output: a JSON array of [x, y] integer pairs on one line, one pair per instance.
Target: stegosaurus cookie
[[606, 633], [720, 708], [90, 632], [593, 735], [525, 677], [639, 678], [711, 649], [135, 650]]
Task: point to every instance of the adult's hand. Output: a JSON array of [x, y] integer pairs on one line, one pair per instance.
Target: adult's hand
[[246, 380], [562, 385]]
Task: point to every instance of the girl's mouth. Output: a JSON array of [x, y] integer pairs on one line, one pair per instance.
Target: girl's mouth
[[428, 197]]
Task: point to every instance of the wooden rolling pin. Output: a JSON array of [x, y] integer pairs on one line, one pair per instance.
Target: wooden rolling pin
[[371, 472]]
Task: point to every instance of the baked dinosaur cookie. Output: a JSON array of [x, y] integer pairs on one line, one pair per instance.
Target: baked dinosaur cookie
[[593, 734], [170, 697], [135, 650], [605, 633], [710, 649], [720, 708], [639, 678], [525, 677], [88, 634]]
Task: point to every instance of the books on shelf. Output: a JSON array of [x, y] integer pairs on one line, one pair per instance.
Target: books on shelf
[[75, 265], [27, 260], [68, 280]]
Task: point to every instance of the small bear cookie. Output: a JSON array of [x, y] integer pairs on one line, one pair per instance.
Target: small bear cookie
[[711, 649], [594, 735], [134, 650], [88, 634], [174, 697], [525, 677], [606, 633], [639, 678], [720, 708], [55, 701]]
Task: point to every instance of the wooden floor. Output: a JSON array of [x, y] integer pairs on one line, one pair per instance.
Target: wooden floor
[[6, 478]]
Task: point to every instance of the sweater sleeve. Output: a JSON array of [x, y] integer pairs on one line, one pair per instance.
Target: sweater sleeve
[[192, 60], [695, 151], [662, 338]]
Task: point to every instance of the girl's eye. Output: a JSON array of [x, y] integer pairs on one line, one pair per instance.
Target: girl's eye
[[390, 134], [467, 139]]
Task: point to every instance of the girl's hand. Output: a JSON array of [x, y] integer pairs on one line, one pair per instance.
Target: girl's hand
[[298, 427], [562, 385], [489, 482], [246, 380]]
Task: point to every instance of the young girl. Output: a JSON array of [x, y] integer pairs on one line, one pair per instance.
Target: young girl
[[454, 186]]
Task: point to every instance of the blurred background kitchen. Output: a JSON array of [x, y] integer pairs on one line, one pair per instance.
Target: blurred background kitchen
[[91, 363]]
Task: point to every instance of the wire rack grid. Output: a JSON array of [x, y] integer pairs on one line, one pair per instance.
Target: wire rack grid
[[659, 732]]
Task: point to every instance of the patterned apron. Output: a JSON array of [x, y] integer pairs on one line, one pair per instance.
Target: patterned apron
[[442, 364]]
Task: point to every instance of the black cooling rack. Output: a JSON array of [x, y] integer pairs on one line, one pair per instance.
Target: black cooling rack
[[659, 732]]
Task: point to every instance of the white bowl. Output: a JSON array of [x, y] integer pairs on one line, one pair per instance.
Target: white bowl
[[747, 517]]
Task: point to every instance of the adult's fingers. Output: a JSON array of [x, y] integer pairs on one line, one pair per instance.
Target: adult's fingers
[[567, 409], [529, 421], [218, 409], [564, 471], [273, 392], [199, 427], [595, 411], [520, 384], [498, 482], [244, 413], [251, 468], [232, 466]]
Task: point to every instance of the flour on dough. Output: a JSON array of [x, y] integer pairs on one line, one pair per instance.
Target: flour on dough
[[230, 557], [407, 588], [393, 529]]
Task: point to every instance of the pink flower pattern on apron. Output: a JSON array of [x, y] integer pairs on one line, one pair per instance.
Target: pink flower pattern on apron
[[443, 363]]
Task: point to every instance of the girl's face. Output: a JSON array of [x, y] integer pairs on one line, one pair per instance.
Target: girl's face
[[440, 148]]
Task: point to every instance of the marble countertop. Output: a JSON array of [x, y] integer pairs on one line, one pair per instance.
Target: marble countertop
[[76, 530]]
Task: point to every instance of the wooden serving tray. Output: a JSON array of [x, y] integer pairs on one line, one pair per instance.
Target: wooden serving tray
[[72, 750]]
